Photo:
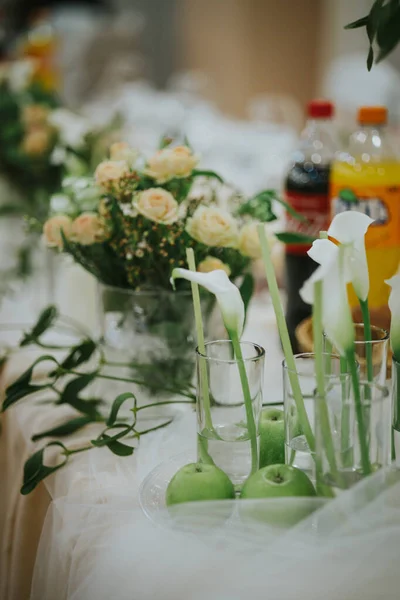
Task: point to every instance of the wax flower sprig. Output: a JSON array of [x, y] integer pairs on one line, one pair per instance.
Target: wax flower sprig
[[233, 313]]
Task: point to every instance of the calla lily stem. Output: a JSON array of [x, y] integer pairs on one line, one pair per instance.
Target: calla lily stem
[[367, 338], [352, 364], [251, 425]]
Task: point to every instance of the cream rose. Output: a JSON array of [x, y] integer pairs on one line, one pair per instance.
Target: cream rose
[[123, 151], [171, 162], [88, 229], [34, 114], [109, 173], [52, 230], [249, 242], [36, 141], [210, 263], [213, 227], [157, 205]]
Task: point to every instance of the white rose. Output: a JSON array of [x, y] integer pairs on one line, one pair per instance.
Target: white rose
[[249, 242], [171, 162], [88, 229], [123, 151], [52, 230], [211, 263], [213, 227], [109, 173], [157, 205]]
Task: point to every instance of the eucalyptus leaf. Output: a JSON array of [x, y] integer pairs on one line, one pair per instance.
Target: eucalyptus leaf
[[118, 402], [65, 429], [45, 320]]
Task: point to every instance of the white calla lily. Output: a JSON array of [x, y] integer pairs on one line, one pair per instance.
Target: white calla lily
[[394, 305], [227, 295], [336, 314], [349, 229]]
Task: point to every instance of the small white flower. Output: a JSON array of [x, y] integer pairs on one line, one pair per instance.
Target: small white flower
[[72, 128], [227, 295]]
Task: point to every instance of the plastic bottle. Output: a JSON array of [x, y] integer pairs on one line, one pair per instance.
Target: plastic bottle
[[307, 191], [367, 179]]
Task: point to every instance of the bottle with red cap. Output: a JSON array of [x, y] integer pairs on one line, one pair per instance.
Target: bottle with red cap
[[307, 191]]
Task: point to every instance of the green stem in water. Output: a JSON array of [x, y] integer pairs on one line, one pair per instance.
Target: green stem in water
[[320, 376], [362, 438], [251, 425], [284, 335], [367, 338]]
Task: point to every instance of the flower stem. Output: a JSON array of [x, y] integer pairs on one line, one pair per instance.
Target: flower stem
[[251, 425], [200, 341], [367, 339], [320, 376], [365, 462], [284, 335]]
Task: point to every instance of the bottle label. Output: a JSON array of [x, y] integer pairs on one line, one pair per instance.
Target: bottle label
[[315, 208], [382, 240]]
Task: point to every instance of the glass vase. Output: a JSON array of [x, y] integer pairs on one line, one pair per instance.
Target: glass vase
[[297, 450], [339, 435], [149, 336], [227, 425], [395, 410], [377, 349]]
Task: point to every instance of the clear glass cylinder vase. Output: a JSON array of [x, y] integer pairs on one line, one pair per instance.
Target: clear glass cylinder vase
[[396, 410], [227, 420], [352, 437], [150, 336]]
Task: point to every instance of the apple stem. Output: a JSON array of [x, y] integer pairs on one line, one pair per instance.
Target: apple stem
[[251, 425]]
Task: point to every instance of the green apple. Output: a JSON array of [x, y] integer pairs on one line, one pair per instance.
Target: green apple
[[272, 437], [276, 481], [198, 481]]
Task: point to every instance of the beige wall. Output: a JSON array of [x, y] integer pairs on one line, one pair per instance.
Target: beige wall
[[248, 47]]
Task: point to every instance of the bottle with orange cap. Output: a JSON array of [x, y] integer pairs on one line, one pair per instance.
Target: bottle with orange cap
[[367, 178]]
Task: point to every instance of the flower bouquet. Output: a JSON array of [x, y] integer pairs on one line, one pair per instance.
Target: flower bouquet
[[130, 225]]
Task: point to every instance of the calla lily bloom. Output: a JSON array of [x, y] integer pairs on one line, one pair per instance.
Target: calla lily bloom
[[227, 295], [336, 314], [349, 229], [394, 305]]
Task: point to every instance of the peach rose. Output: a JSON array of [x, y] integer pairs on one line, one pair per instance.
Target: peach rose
[[249, 242], [52, 230], [157, 205], [210, 263], [36, 141], [88, 229], [123, 151], [171, 162], [214, 227], [109, 173], [34, 114]]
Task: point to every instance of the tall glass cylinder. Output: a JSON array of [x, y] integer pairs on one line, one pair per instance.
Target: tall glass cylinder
[[373, 353], [228, 419], [352, 438], [297, 450], [396, 410]]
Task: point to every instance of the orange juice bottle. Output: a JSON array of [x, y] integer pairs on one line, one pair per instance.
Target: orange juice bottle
[[367, 179]]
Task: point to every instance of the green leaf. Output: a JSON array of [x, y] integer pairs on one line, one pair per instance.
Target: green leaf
[[356, 24], [46, 320], [118, 402], [35, 471], [104, 438], [374, 17], [65, 429], [246, 290], [388, 35], [70, 395], [165, 142], [79, 355], [291, 210], [259, 207], [22, 386], [10, 209], [295, 238], [118, 448], [370, 58], [207, 173]]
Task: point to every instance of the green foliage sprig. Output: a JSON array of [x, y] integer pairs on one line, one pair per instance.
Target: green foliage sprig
[[382, 26], [66, 382]]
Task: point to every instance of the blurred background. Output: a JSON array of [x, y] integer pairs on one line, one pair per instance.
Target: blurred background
[[228, 74]]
